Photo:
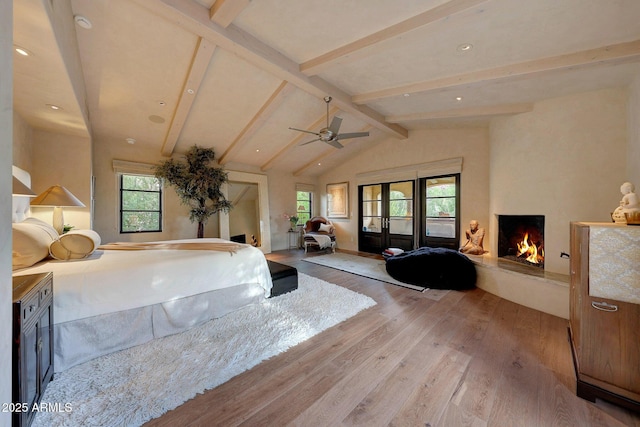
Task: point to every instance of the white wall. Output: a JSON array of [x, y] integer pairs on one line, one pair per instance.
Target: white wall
[[64, 160], [565, 160], [176, 223], [421, 146], [6, 141]]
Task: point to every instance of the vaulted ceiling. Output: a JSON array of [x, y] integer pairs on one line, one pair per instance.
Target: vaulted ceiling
[[236, 74]]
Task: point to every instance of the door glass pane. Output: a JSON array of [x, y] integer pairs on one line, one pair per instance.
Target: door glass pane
[[371, 208], [441, 227], [401, 226], [401, 208], [441, 207]]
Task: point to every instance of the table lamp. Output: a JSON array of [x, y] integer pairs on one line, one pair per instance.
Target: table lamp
[[19, 189], [58, 197]]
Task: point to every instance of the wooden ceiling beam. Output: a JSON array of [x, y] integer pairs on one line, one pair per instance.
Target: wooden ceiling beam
[[493, 110], [199, 64], [194, 18], [223, 12], [372, 43], [326, 154], [614, 54], [320, 123], [258, 120]]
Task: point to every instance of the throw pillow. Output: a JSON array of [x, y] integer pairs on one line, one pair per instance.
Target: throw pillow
[[30, 243], [325, 228], [76, 244]]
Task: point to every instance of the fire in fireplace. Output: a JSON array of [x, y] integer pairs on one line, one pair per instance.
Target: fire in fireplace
[[521, 239]]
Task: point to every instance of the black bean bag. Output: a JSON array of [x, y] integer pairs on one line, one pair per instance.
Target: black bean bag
[[435, 268]]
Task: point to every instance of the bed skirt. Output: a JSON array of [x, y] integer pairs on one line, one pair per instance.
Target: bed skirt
[[81, 340]]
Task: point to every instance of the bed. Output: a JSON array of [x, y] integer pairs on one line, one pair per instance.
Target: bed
[[108, 300]]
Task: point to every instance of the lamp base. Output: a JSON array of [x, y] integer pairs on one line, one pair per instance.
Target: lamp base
[[58, 220]]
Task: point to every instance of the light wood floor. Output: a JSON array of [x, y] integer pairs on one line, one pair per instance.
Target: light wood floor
[[470, 359]]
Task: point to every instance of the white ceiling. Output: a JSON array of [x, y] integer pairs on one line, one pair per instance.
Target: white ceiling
[[258, 67]]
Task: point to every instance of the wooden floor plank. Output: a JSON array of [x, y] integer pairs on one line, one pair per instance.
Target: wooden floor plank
[[469, 359]]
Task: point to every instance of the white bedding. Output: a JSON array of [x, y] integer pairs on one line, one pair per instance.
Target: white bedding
[[110, 281]]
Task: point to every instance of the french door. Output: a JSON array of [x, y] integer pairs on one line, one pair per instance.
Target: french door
[[386, 217]]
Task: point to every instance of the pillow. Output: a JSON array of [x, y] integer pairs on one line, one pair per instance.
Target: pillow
[[31, 240], [44, 225], [76, 244], [325, 228]]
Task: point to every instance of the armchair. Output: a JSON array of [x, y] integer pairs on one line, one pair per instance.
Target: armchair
[[319, 232]]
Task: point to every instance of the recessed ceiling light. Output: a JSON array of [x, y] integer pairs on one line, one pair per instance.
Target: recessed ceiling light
[[54, 107], [406, 95], [458, 98], [130, 141], [190, 91], [22, 51], [162, 103], [257, 150], [464, 47], [83, 22], [319, 164]]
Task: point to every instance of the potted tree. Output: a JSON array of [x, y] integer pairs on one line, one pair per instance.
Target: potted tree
[[197, 183]]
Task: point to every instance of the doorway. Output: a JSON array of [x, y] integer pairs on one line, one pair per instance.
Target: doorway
[[386, 216]]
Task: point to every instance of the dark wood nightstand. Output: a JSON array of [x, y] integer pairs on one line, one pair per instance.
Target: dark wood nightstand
[[32, 343]]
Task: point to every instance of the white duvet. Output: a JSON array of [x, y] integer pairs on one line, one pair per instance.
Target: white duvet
[[114, 280]]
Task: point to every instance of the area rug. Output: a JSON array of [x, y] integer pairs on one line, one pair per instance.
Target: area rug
[[369, 267], [133, 386]]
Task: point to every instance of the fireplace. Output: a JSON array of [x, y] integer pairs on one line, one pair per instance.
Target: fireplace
[[521, 239]]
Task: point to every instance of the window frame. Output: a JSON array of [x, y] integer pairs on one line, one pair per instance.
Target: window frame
[[298, 204], [445, 242], [122, 211]]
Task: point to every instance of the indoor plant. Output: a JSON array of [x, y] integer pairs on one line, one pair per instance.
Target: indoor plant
[[197, 183]]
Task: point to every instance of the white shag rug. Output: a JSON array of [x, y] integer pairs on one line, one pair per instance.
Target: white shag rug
[[133, 386], [369, 267]]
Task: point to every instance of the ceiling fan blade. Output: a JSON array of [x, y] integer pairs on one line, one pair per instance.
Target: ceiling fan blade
[[306, 131], [335, 124], [309, 142], [352, 135], [334, 142]]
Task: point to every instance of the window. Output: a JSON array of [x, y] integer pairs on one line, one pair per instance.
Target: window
[[140, 203], [303, 201], [441, 217]]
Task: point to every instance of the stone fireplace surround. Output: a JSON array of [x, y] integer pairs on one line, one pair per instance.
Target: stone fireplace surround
[[531, 286]]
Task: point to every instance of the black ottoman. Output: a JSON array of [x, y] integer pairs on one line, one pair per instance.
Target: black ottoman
[[284, 278], [435, 268]]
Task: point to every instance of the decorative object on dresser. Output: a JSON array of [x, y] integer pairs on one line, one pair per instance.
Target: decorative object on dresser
[[604, 318], [32, 343], [319, 232], [629, 205]]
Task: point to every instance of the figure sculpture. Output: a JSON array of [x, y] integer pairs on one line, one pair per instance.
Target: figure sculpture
[[629, 204], [475, 236]]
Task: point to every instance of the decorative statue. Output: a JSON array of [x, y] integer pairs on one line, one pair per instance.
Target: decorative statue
[[630, 203], [475, 235]]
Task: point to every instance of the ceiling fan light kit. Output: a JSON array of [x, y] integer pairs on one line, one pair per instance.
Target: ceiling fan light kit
[[330, 134]]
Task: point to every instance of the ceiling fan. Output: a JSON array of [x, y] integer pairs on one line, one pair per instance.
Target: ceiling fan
[[330, 134]]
